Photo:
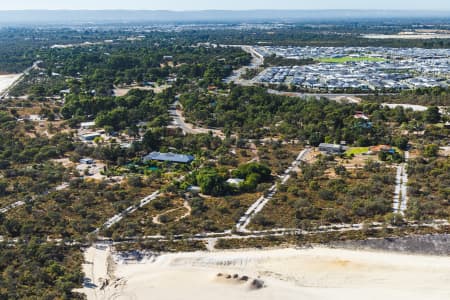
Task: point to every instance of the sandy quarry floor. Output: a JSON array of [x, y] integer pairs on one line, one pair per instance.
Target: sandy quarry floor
[[7, 80], [311, 274]]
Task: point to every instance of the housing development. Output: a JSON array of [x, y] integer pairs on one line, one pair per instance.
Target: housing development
[[363, 69]]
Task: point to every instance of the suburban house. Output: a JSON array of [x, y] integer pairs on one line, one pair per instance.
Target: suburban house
[[87, 125], [361, 115], [332, 148], [382, 148], [169, 157], [89, 137], [447, 125], [86, 161], [65, 92], [195, 190], [35, 118]]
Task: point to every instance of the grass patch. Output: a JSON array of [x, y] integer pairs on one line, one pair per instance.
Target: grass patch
[[357, 150]]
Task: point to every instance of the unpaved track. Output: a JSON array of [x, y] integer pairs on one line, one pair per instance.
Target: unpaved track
[[259, 204]]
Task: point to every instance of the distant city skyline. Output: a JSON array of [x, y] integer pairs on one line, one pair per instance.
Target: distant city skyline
[[181, 5]]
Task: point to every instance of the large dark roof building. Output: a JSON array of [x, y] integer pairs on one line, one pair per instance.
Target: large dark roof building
[[169, 157], [332, 148]]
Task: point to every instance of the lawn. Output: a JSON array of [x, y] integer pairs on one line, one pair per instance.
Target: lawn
[[341, 60], [357, 150], [362, 150]]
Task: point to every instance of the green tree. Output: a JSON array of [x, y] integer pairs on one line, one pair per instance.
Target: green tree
[[431, 150], [401, 143], [211, 182], [151, 140], [432, 115]]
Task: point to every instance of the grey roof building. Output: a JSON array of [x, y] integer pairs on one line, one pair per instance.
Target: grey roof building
[[89, 137], [332, 148], [169, 157], [86, 161]]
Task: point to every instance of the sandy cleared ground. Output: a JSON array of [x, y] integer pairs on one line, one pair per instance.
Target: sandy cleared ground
[[95, 269], [406, 106], [119, 92], [318, 273], [7, 80]]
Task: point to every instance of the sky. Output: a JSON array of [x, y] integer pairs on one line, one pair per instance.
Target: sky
[[226, 4]]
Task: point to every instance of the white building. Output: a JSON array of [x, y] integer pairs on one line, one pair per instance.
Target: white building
[[87, 125], [235, 181]]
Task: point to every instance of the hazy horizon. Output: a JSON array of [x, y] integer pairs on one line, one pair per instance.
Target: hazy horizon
[[30, 17], [196, 5], [227, 10]]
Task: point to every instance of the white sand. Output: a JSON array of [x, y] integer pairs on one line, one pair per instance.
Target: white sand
[[318, 273], [95, 269], [7, 80]]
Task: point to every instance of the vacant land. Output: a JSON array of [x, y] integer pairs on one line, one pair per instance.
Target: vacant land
[[317, 273], [429, 188], [328, 192], [169, 215]]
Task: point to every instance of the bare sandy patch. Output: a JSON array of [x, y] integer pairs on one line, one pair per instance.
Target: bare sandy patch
[[318, 273], [7, 80]]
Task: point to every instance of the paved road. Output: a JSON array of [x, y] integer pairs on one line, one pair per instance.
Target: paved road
[[259, 204], [257, 61], [351, 98], [179, 121]]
